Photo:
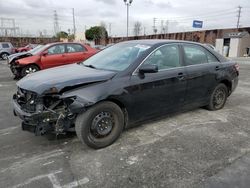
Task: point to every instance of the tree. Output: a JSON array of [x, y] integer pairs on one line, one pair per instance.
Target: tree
[[62, 34], [96, 32], [137, 28]]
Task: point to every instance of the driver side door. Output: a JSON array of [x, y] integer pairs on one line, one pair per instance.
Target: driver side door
[[55, 56], [157, 93]]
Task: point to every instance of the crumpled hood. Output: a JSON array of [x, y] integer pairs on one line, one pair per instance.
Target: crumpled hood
[[63, 76], [17, 55]]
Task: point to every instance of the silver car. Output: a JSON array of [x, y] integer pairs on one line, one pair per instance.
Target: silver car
[[6, 48]]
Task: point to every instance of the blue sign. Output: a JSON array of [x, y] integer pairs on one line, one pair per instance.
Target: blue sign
[[197, 24]]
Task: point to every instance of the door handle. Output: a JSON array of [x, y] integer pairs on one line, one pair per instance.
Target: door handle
[[180, 76], [217, 68]]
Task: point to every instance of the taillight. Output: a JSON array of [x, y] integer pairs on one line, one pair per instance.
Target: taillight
[[237, 67]]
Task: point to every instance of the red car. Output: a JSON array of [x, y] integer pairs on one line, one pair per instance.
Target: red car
[[47, 56], [26, 48]]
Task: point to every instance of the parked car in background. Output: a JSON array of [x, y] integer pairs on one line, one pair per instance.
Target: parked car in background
[[99, 47], [122, 85], [210, 46], [14, 57], [26, 48], [48, 56], [6, 49]]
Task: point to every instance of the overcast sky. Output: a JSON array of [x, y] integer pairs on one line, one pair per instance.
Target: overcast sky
[[37, 15]]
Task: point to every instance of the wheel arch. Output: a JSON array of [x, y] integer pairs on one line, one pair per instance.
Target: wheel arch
[[228, 84], [122, 106], [33, 64]]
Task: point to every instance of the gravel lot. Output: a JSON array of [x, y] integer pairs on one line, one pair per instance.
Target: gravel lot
[[198, 148]]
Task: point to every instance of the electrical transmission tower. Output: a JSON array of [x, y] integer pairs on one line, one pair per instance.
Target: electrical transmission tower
[[239, 15], [8, 27], [56, 24]]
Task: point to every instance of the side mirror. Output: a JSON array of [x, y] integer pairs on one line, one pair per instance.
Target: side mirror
[[147, 68], [45, 53]]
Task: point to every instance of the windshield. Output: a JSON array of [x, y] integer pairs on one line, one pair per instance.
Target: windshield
[[38, 49], [117, 57]]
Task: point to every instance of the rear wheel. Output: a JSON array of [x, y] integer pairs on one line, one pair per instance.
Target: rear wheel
[[100, 125], [218, 97], [4, 56], [29, 69]]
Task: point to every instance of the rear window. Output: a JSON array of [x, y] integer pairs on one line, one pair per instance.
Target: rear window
[[71, 48], [5, 45]]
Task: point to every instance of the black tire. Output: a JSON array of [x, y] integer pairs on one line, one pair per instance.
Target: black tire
[[218, 97], [29, 69], [87, 124], [4, 55]]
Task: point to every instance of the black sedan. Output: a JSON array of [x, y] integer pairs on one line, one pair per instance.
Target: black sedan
[[122, 85]]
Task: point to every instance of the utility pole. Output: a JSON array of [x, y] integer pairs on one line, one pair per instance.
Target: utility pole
[[154, 27], [110, 29], [128, 3], [144, 29], [239, 15], [162, 27], [74, 22], [166, 28]]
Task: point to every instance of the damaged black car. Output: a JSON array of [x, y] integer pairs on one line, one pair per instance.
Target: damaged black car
[[122, 85]]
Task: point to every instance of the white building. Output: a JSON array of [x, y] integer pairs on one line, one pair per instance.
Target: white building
[[233, 44]]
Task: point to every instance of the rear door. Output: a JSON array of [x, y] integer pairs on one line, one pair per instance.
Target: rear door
[[55, 57], [202, 69], [156, 93], [75, 53]]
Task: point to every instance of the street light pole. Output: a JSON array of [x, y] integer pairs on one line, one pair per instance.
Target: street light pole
[[128, 3]]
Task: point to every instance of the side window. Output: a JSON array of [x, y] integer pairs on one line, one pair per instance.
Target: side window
[[5, 45], [195, 55], [165, 57], [71, 48], [57, 49], [211, 58]]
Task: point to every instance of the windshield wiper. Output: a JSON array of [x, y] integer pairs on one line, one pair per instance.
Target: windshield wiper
[[90, 66]]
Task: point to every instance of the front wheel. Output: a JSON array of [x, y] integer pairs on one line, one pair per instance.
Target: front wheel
[[4, 56], [218, 97], [29, 69], [100, 125]]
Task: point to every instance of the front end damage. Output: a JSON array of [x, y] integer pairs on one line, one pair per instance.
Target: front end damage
[[48, 113], [14, 65]]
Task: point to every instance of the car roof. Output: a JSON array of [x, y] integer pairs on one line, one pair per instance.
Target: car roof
[[53, 43], [159, 41]]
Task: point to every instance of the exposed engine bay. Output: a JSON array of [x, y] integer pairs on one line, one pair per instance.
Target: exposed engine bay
[[47, 113]]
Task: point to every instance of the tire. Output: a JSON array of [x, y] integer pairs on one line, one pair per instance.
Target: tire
[[29, 69], [4, 55], [88, 125], [218, 97]]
